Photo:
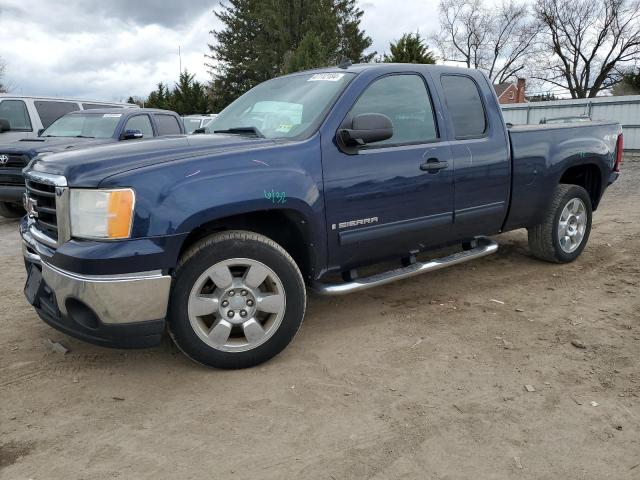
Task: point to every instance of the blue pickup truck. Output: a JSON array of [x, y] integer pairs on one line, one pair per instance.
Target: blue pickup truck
[[299, 183], [79, 129]]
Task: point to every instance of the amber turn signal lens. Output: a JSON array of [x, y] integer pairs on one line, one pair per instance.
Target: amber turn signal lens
[[120, 211]]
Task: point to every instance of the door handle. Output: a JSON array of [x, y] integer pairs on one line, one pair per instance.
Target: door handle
[[433, 165]]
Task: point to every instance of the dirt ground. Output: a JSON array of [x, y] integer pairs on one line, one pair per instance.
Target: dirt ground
[[422, 379]]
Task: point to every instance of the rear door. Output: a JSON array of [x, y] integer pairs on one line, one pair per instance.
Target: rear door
[[481, 151], [380, 201]]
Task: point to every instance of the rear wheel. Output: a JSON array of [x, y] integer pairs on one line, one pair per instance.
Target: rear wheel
[[238, 299], [11, 210], [564, 233]]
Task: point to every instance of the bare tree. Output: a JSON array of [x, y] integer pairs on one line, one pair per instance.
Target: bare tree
[[588, 43], [497, 40]]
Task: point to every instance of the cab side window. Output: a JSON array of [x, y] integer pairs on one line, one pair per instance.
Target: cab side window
[[405, 100], [464, 105], [142, 123], [168, 125]]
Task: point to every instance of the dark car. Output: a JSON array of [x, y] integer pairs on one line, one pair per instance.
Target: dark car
[[306, 181], [80, 129]]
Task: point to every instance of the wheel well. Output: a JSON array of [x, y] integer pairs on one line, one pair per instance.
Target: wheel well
[[588, 177], [286, 227]]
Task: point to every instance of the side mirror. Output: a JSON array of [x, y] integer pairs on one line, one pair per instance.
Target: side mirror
[[367, 128], [131, 135], [40, 131], [199, 130], [5, 126]]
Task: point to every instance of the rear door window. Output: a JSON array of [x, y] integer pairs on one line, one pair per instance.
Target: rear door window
[[50, 111], [464, 106], [15, 112], [142, 123], [168, 125]]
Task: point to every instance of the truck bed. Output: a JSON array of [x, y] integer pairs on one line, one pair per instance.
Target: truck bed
[[541, 154]]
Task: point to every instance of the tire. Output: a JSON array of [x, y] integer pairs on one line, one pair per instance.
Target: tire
[[11, 210], [221, 314], [545, 242]]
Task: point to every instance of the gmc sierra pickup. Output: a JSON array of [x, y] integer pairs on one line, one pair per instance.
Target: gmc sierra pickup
[[299, 182]]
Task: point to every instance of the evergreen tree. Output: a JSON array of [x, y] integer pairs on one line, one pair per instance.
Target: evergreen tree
[[352, 40], [188, 96], [311, 53], [238, 62], [159, 98], [629, 85], [265, 38], [135, 101], [409, 49]]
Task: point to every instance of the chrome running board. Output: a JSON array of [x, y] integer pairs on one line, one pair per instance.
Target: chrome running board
[[483, 248]]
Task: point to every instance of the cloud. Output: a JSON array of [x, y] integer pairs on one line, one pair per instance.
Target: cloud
[[110, 49], [103, 50], [386, 20]]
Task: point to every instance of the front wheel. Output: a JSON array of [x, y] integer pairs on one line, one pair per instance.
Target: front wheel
[[564, 233], [238, 299]]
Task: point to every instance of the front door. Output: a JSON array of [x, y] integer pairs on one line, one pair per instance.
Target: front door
[[392, 197]]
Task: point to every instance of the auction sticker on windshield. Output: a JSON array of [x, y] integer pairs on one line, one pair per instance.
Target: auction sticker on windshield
[[326, 77], [112, 115]]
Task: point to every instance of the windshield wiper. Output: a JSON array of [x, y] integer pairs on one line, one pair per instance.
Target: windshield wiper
[[83, 136], [241, 130]]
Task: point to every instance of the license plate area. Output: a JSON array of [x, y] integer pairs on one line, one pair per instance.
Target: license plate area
[[33, 286]]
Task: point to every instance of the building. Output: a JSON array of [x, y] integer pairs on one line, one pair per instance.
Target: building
[[510, 92]]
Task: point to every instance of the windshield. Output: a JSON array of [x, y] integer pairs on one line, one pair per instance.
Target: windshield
[[284, 107], [191, 124], [90, 125]]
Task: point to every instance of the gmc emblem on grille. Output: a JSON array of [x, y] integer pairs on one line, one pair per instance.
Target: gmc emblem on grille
[[4, 159], [30, 206]]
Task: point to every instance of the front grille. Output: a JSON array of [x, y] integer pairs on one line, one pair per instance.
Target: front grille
[[43, 197], [15, 161]]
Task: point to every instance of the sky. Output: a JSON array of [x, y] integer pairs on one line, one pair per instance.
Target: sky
[[111, 49]]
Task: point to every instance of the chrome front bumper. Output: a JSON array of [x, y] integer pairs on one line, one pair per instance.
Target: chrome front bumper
[[115, 299]]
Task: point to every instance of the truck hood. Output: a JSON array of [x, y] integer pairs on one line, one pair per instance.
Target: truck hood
[[41, 145], [87, 167]]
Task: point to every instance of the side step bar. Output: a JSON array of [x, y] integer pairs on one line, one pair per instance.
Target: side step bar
[[484, 247]]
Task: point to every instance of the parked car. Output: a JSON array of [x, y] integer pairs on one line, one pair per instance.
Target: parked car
[[195, 122], [301, 182], [80, 129], [24, 117]]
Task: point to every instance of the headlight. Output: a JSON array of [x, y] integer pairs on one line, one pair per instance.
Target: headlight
[[101, 214]]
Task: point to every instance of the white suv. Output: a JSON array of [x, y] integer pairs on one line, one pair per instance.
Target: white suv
[[23, 117]]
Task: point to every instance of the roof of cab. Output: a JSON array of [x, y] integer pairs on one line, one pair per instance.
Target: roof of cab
[[387, 67]]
